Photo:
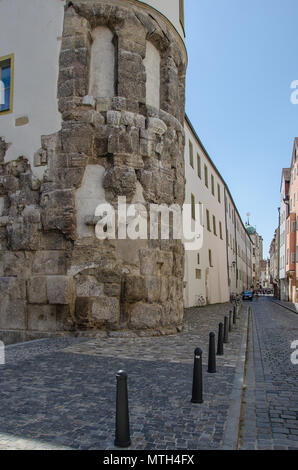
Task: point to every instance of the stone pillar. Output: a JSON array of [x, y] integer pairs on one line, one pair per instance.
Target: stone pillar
[[108, 146]]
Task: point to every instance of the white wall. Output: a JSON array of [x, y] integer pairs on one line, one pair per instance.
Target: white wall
[[102, 70], [31, 30], [170, 9]]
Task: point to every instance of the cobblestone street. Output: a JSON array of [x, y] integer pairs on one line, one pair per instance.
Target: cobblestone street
[[60, 393], [270, 405]]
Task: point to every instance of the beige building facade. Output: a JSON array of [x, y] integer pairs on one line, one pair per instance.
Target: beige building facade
[[223, 266]]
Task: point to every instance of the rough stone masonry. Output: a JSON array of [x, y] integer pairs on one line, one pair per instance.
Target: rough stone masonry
[[56, 276]]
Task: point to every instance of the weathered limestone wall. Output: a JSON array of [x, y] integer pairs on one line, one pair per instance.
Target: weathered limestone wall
[[56, 276]]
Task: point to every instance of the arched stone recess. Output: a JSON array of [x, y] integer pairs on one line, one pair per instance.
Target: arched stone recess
[[102, 83], [152, 67]]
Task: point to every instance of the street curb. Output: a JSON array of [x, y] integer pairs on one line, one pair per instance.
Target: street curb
[[231, 433], [284, 306]]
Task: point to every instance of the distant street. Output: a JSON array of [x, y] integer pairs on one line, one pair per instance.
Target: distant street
[[270, 399]]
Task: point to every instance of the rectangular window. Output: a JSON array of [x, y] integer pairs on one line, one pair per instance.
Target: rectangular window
[[293, 226], [6, 83], [198, 274], [218, 194], [206, 175], [199, 166], [220, 230], [198, 258], [208, 220], [288, 256], [201, 214], [214, 225], [293, 257], [191, 154], [212, 185], [193, 207], [210, 258]]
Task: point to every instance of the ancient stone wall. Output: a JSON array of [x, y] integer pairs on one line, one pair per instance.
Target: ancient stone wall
[[56, 276]]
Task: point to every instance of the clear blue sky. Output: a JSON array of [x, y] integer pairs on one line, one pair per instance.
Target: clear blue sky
[[243, 56]]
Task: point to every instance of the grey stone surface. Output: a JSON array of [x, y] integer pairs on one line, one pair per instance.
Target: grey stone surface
[[270, 406], [58, 393]]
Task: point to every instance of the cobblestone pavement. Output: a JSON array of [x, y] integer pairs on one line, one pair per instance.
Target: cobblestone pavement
[[60, 393], [270, 403]]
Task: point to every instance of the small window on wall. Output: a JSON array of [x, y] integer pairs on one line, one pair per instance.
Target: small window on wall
[[191, 154], [198, 274], [199, 166], [206, 175], [218, 193], [220, 230], [214, 225], [6, 83], [193, 207], [208, 220], [210, 258], [212, 185]]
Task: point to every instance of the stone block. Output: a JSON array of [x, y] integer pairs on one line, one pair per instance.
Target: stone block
[[60, 290], [13, 287], [23, 236], [42, 318], [113, 118], [135, 288], [106, 310], [145, 315], [157, 126], [88, 286], [12, 313], [153, 289], [37, 290], [112, 290], [49, 262], [148, 259]]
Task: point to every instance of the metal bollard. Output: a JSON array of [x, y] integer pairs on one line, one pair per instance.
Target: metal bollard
[[122, 434], [211, 357], [220, 346], [197, 383], [226, 330], [230, 320], [234, 315]]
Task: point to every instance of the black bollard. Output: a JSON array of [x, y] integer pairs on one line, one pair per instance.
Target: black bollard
[[197, 383], [230, 320], [226, 330], [220, 347], [234, 315], [211, 357], [122, 434]]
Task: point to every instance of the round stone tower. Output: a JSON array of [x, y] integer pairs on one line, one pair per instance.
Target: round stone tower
[[121, 93]]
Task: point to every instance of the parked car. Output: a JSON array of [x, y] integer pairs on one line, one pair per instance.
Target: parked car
[[247, 295]]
